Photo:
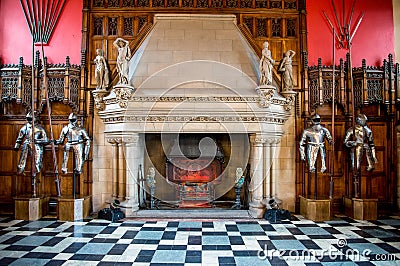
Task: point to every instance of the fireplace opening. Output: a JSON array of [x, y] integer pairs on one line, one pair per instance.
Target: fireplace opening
[[195, 170]]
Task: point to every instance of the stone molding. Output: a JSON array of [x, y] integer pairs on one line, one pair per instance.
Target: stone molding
[[127, 139], [191, 118]]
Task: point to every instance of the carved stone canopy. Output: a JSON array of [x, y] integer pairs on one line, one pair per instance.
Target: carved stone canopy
[[200, 83]]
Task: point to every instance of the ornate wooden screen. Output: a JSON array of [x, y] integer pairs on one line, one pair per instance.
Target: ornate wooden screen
[[375, 95], [65, 95]]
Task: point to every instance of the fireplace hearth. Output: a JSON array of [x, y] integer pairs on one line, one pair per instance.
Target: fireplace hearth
[[195, 173]]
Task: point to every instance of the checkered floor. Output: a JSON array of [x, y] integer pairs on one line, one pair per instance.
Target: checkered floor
[[342, 241]]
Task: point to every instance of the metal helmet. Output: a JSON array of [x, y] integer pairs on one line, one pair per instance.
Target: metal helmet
[[29, 117], [316, 119], [72, 116], [361, 119]]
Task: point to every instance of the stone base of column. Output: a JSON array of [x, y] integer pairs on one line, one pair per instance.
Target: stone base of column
[[129, 207], [256, 209]]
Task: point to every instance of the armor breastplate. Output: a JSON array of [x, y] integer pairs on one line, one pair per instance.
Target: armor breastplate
[[73, 135]]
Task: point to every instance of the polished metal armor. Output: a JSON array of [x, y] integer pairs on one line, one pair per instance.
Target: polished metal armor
[[313, 137], [25, 138], [359, 140], [78, 140]]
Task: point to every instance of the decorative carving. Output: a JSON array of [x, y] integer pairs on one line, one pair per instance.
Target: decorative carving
[[9, 87], [173, 3], [261, 4], [190, 118], [113, 3], [187, 3], [98, 3], [98, 26], [275, 4], [290, 97], [142, 22], [128, 26], [128, 3], [291, 27], [123, 94], [261, 27], [290, 4], [158, 3], [374, 90], [231, 3], [143, 3], [248, 22], [276, 27], [217, 3], [112, 26], [98, 96], [266, 92], [246, 3], [56, 88], [202, 3]]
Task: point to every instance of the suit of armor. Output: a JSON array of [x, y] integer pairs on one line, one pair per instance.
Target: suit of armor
[[78, 140], [360, 140], [313, 138], [40, 139]]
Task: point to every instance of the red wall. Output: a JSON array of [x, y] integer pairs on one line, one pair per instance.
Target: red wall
[[16, 40], [374, 39]]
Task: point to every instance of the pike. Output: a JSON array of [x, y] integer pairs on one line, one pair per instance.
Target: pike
[[332, 172], [54, 21], [337, 18], [358, 25], [46, 88], [333, 28]]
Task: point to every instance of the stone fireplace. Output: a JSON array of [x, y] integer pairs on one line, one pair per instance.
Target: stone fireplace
[[194, 77]]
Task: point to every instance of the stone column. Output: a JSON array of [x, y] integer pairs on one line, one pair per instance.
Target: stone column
[[267, 170], [274, 170], [133, 150], [115, 169], [256, 207], [121, 172]]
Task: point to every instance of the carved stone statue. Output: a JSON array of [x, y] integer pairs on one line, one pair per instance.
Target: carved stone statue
[[287, 71], [101, 73], [78, 140], [150, 180], [25, 138], [124, 55], [359, 140], [266, 65], [313, 137]]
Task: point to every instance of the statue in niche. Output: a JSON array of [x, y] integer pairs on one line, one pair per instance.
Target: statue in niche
[[150, 180], [359, 140], [313, 137], [266, 65], [25, 138], [239, 181], [287, 70], [124, 55], [101, 73], [78, 140]]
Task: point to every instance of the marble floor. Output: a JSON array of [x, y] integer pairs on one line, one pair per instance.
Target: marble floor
[[200, 241]]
